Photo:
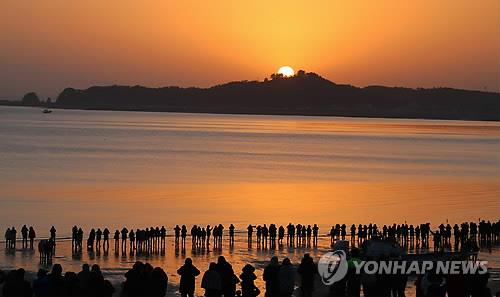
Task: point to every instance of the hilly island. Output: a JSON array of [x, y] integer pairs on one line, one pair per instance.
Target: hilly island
[[302, 94]]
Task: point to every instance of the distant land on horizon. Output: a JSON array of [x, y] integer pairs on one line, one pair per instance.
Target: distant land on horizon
[[301, 94]]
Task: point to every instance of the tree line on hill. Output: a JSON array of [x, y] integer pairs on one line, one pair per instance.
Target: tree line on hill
[[301, 94]]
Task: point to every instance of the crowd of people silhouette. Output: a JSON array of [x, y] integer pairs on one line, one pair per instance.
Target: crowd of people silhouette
[[88, 282], [11, 237], [152, 240], [221, 280]]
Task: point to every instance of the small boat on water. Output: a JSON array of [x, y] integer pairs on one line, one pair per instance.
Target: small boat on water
[[47, 110]]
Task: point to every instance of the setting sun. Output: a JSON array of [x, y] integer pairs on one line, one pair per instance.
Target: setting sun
[[286, 71]]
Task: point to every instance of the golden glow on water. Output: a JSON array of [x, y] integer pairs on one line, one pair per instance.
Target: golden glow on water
[[141, 169], [324, 203], [115, 169]]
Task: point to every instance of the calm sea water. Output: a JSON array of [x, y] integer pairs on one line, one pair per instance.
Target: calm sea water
[[137, 169]]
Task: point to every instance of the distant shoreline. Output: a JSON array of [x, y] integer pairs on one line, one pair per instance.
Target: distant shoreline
[[305, 94]]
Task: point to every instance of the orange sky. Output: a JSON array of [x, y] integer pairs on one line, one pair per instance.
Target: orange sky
[[48, 45]]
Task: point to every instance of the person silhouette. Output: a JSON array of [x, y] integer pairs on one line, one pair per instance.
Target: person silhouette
[[332, 235], [286, 278], [220, 233], [91, 239], [231, 234], [188, 273], [309, 234], [163, 236], [249, 233], [131, 236], [216, 236], [307, 270], [199, 236], [271, 277], [105, 243], [98, 236], [157, 234], [212, 281], [248, 288], [304, 234], [80, 238], [24, 234], [177, 233], [116, 237], [13, 237], [194, 231], [53, 234], [56, 281], [281, 234], [265, 234], [7, 239], [299, 234], [124, 233], [315, 230], [259, 234], [228, 278], [183, 235], [41, 283], [209, 233], [74, 234], [32, 236], [436, 236], [290, 238], [272, 235], [203, 237], [15, 284]]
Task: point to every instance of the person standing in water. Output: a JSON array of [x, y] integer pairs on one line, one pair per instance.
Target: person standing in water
[[13, 237], [209, 233], [163, 237], [315, 234], [177, 233], [117, 240], [124, 239], [74, 235], [53, 234], [131, 236], [281, 234], [98, 236], [249, 233], [183, 235], [24, 233], [231, 234], [32, 236], [105, 243]]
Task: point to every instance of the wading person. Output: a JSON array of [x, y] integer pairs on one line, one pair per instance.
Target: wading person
[[32, 236], [24, 234], [105, 243], [124, 239]]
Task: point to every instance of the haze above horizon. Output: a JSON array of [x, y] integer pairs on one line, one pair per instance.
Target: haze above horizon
[[47, 46]]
